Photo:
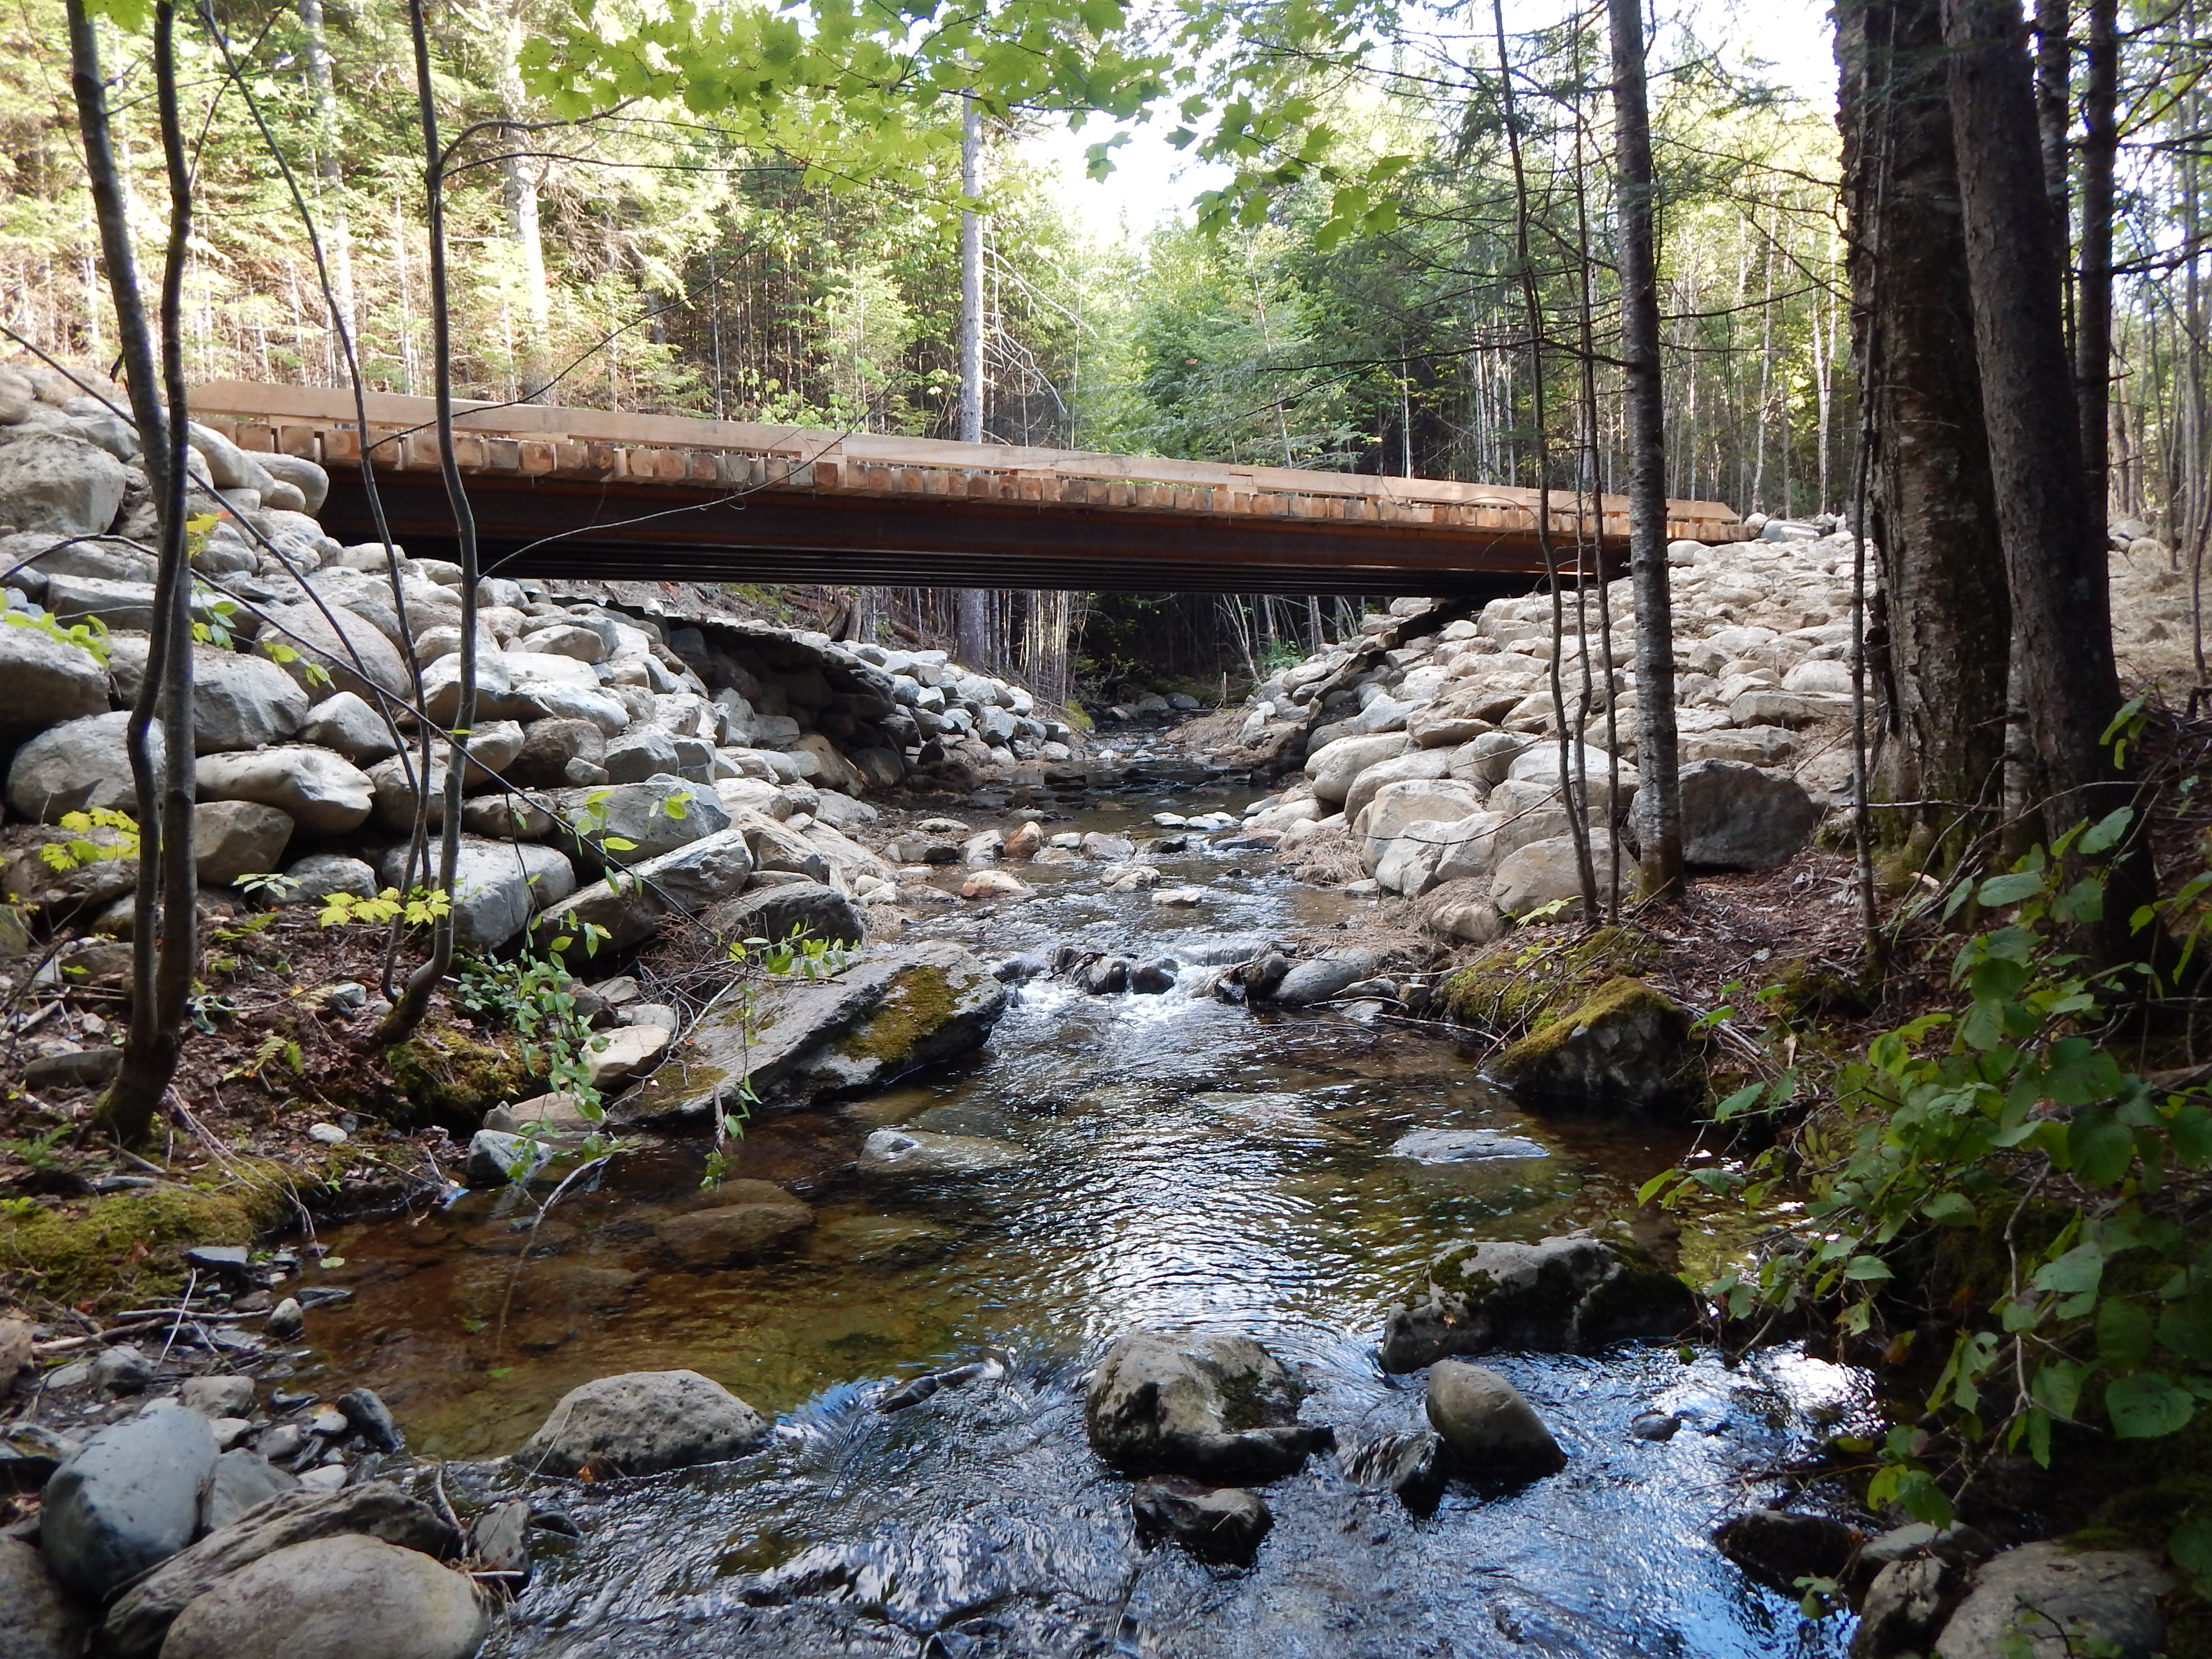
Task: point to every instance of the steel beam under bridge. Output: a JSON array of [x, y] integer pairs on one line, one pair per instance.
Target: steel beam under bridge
[[583, 493]]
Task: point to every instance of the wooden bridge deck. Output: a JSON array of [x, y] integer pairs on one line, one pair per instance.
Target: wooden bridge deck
[[584, 493]]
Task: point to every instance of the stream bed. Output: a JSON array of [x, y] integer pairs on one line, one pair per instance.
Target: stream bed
[[1170, 1160]]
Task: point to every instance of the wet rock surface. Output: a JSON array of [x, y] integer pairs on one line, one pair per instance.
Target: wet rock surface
[[643, 1423], [1562, 1295], [1213, 1407]]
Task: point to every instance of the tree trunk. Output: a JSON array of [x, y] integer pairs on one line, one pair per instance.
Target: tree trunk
[[2054, 556], [2093, 289], [2054, 99], [414, 1001], [1659, 829], [165, 948], [972, 605], [1933, 514]]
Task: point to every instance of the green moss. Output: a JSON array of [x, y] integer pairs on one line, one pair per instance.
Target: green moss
[[121, 1249], [451, 1077], [1515, 983], [919, 1000]]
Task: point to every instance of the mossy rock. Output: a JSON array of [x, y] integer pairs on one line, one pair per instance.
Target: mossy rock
[[1518, 981], [128, 1246], [919, 1001], [453, 1078], [1626, 1045]]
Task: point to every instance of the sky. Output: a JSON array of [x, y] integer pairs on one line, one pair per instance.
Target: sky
[[1152, 181]]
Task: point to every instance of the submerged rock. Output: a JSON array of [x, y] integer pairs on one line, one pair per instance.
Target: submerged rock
[[1494, 1433], [643, 1423], [1216, 1407], [1560, 1295], [348, 1597], [1627, 1045], [1464, 1146], [894, 1011], [1217, 1523], [736, 1232], [922, 1152]]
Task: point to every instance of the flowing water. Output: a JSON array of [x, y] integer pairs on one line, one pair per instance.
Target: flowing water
[[1176, 1161]]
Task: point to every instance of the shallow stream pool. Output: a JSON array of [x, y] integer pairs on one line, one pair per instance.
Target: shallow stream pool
[[1180, 1162]]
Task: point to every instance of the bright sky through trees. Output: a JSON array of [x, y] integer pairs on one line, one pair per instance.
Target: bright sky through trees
[[1152, 181]]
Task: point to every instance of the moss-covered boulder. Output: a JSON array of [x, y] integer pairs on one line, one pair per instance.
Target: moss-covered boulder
[[894, 1011], [128, 1246], [1626, 1045], [1573, 1295], [452, 1077]]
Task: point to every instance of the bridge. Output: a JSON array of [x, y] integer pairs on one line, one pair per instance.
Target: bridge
[[583, 493]]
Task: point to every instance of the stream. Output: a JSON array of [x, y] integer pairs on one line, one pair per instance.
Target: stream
[[1180, 1162]]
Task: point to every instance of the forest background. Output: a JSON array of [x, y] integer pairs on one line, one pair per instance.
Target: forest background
[[1348, 303]]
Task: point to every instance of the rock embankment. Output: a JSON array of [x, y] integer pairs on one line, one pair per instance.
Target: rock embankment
[[1429, 749], [730, 754]]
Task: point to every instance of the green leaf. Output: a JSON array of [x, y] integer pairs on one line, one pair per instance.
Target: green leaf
[[2105, 833], [1741, 1101], [2124, 1334], [2186, 1328], [2100, 1149], [2188, 1130], [2056, 1387], [2077, 1273], [2189, 1544], [1867, 1267], [2000, 891], [2147, 1406], [1949, 1209]]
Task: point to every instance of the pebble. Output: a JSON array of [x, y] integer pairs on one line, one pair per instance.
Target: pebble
[[324, 1477], [371, 1419], [121, 1370], [285, 1321], [328, 1133], [1655, 1425], [219, 1396]]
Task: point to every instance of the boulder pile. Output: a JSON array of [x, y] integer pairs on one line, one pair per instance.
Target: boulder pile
[[1434, 742], [731, 753]]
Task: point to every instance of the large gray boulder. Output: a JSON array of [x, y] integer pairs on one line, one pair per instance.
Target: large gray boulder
[[244, 1481], [127, 1499], [1493, 1433], [76, 765], [498, 887], [629, 905], [120, 607], [1216, 1407], [44, 681], [352, 653], [320, 875], [892, 1012], [1571, 1294], [322, 792], [808, 910], [350, 726], [1325, 977], [42, 1622], [2065, 1601], [54, 480], [238, 701], [139, 1618], [643, 1423], [1545, 871], [1736, 817], [655, 816], [234, 838], [346, 1597], [1332, 767]]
